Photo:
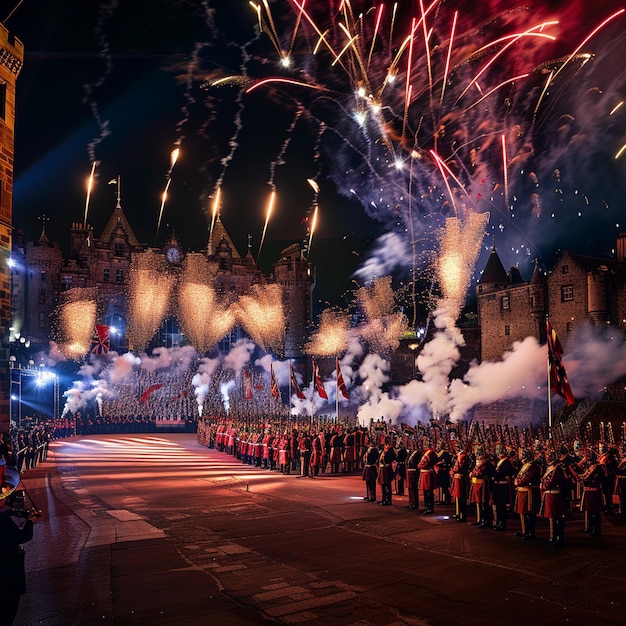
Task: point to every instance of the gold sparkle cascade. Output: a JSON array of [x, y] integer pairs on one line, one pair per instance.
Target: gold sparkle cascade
[[150, 288], [383, 327], [203, 318], [261, 313], [331, 337], [459, 249], [77, 322]]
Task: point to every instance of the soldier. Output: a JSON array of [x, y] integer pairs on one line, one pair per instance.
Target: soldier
[[620, 483], [552, 506], [608, 459], [385, 472], [401, 457], [412, 475], [442, 472], [348, 451], [460, 484], [370, 472], [336, 450], [502, 487], [591, 475], [317, 453], [304, 451], [480, 490], [568, 460], [527, 500], [426, 467]]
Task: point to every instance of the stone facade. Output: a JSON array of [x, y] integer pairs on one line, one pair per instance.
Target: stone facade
[[11, 60]]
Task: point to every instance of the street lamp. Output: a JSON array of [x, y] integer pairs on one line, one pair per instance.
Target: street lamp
[[413, 347]]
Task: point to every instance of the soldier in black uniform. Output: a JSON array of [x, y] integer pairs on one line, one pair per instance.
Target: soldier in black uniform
[[386, 472], [401, 457], [412, 475], [442, 472], [502, 489], [370, 472]]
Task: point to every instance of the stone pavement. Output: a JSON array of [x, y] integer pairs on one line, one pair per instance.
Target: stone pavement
[[145, 529]]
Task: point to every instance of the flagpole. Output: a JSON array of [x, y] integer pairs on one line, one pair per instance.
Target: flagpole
[[290, 375], [337, 389], [549, 398]]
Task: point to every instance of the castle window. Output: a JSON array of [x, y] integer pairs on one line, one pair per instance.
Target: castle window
[[567, 293], [233, 287], [569, 327], [507, 330], [42, 296], [119, 249], [119, 276], [42, 276], [66, 283], [42, 320], [223, 263], [506, 303], [106, 277], [565, 269]]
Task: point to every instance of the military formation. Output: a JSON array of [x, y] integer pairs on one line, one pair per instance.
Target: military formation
[[485, 476]]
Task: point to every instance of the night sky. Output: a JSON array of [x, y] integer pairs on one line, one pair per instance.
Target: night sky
[[125, 82]]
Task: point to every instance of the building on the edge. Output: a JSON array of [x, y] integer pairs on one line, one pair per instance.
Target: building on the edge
[[578, 289], [11, 60], [42, 275]]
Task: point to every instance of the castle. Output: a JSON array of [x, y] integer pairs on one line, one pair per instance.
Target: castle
[[41, 277], [578, 289]]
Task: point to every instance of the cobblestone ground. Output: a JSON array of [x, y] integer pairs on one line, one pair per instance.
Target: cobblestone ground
[[160, 530]]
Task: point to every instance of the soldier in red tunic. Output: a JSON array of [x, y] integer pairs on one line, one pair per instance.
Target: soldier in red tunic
[[480, 489], [527, 500], [317, 454], [426, 467], [460, 484], [591, 474], [552, 500]]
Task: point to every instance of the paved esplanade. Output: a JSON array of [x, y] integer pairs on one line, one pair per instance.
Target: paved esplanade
[[152, 529]]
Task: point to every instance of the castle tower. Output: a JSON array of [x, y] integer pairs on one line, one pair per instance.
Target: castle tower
[[11, 61], [296, 277]]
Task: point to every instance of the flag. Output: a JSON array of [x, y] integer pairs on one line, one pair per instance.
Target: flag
[[247, 386], [294, 383], [101, 342], [274, 383], [558, 377], [149, 391], [341, 385], [317, 381]]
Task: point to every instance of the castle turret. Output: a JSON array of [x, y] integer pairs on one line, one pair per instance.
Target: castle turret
[[296, 277]]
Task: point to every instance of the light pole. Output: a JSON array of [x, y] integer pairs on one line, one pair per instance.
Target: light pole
[[413, 347]]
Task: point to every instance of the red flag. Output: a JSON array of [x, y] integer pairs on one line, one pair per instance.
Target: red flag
[[558, 377], [341, 385], [295, 385], [247, 386], [101, 342], [317, 379], [149, 391], [274, 383]]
